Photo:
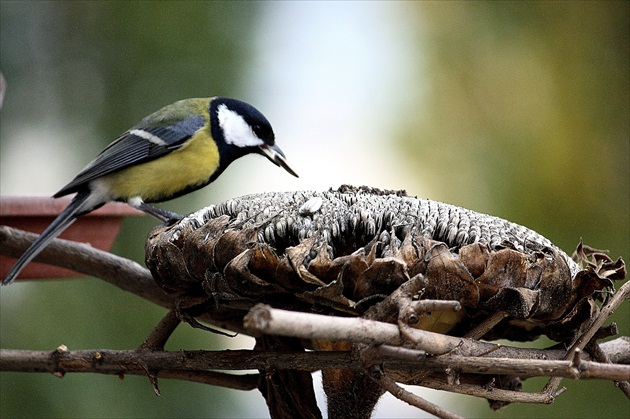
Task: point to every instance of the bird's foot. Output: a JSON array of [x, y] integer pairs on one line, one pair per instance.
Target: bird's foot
[[167, 217]]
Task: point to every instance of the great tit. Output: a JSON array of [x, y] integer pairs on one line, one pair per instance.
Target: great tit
[[178, 149]]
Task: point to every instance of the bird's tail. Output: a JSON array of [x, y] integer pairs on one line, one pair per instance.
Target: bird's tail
[[63, 221]]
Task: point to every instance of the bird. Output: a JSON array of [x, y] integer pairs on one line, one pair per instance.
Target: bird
[[176, 150]]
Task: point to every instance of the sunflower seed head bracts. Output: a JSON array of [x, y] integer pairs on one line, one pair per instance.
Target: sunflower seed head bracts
[[343, 250]]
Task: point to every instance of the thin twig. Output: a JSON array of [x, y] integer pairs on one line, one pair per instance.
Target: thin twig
[[599, 355], [487, 325], [155, 342], [160, 334], [622, 294], [486, 392], [585, 338], [400, 393]]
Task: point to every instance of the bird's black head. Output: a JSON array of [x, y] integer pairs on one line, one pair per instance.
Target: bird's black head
[[239, 129], [239, 124]]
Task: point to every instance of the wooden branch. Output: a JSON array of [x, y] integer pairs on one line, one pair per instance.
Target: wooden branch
[[599, 355], [485, 326], [121, 363], [617, 350], [120, 272], [128, 361], [138, 361], [386, 343], [582, 340], [400, 393], [264, 319], [159, 335], [402, 358], [618, 298], [487, 392], [123, 273]]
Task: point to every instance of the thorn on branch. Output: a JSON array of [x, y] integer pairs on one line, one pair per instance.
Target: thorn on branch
[[152, 376], [556, 394], [56, 355]]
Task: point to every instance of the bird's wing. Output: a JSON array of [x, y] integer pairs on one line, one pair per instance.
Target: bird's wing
[[138, 145]]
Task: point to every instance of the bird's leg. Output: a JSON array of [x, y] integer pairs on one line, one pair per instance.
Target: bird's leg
[[167, 217]]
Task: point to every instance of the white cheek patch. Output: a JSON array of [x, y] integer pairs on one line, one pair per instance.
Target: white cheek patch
[[236, 131]]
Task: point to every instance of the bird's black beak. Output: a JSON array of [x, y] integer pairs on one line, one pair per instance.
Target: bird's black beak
[[276, 156]]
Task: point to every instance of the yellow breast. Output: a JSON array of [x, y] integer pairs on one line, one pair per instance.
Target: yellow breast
[[190, 166]]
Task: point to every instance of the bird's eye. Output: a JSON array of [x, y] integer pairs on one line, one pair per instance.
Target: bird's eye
[[258, 130]]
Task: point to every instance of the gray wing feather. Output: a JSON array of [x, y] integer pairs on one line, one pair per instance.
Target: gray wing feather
[[130, 149]]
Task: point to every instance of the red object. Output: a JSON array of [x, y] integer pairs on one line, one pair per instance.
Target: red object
[[98, 228]]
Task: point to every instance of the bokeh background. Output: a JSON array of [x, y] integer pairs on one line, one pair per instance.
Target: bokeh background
[[516, 109]]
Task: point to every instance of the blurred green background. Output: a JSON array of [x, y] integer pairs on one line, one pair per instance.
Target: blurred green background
[[516, 109]]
